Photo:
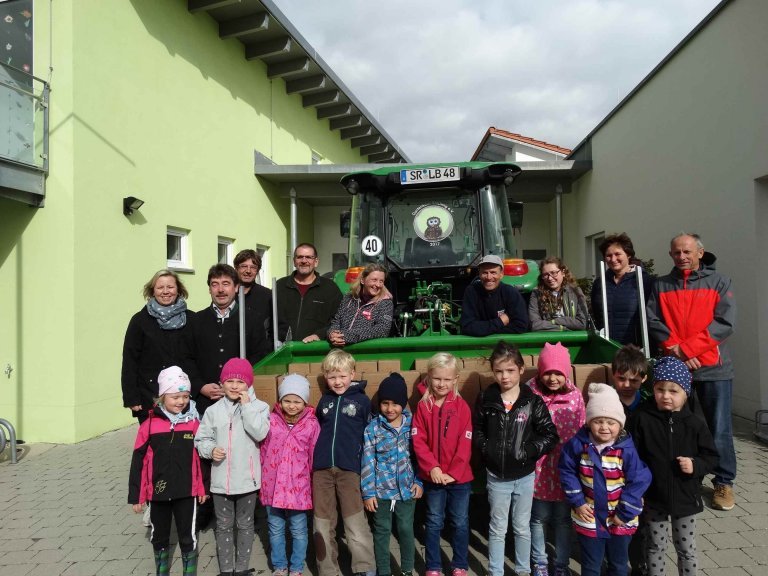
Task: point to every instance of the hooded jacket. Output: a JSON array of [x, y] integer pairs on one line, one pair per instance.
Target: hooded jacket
[[286, 461], [660, 437], [165, 465], [611, 482], [387, 469], [239, 428], [442, 436], [511, 442], [568, 415], [696, 310], [342, 419], [623, 306], [480, 310], [359, 322], [574, 311]]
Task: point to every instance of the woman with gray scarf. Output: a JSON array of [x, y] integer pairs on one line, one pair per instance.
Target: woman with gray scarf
[[154, 340]]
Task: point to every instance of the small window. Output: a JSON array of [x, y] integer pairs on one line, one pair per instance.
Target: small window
[[225, 248], [593, 255], [264, 278], [177, 249]]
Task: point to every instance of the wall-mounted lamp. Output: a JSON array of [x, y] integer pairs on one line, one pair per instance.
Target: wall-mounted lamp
[[130, 204]]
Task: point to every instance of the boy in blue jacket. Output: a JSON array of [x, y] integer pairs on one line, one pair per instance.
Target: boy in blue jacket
[[388, 482], [604, 480]]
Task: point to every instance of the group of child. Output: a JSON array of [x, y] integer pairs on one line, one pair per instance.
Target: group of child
[[604, 468]]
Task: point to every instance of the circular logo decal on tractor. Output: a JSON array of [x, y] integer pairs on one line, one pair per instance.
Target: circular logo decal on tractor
[[433, 222]]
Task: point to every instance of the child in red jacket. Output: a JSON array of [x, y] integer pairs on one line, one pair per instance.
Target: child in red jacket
[[442, 441]]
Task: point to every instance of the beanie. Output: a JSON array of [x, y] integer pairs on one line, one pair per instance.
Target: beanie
[[555, 357], [294, 384], [393, 388], [604, 403], [173, 380], [672, 369], [237, 368]]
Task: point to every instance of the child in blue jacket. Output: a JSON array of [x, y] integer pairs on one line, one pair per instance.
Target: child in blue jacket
[[604, 480]]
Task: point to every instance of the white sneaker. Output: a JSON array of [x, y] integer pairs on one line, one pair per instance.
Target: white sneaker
[[145, 518]]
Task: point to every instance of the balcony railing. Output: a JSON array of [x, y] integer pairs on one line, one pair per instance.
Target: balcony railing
[[23, 118]]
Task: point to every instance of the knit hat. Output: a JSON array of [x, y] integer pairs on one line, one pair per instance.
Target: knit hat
[[294, 384], [393, 388], [555, 357], [239, 369], [672, 369], [604, 403], [173, 380]]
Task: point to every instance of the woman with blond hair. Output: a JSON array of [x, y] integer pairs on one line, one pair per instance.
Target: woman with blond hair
[[557, 303], [365, 311]]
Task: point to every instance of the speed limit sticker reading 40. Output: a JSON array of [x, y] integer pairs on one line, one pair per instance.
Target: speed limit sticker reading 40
[[371, 245], [425, 175]]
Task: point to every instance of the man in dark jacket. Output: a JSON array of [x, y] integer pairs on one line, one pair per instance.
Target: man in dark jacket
[[306, 302], [257, 297], [691, 313], [491, 307]]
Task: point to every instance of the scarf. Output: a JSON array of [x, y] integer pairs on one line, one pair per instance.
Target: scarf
[[188, 416], [170, 317]]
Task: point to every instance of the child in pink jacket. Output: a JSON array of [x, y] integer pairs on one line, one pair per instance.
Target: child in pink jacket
[[550, 507], [286, 473]]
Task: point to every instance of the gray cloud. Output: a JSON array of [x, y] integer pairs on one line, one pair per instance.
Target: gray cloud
[[437, 74]]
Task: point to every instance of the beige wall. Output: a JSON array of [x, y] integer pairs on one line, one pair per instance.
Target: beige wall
[[538, 230], [327, 238], [685, 153]]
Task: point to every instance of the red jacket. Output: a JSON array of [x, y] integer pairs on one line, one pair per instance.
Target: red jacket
[[442, 436], [697, 310]]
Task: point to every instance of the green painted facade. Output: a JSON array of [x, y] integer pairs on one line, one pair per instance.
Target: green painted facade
[[146, 101]]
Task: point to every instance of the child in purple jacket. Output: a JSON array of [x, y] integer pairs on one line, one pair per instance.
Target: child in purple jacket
[[286, 473]]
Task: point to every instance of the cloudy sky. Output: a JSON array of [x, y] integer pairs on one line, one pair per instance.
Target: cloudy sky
[[437, 73]]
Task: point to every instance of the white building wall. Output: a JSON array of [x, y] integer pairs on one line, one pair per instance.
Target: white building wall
[[685, 153]]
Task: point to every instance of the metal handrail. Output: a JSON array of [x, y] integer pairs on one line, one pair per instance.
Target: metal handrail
[[11, 437]]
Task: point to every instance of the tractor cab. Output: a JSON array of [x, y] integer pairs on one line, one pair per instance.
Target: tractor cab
[[430, 225]]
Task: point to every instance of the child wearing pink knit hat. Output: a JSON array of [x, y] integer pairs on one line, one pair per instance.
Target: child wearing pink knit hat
[[604, 481], [550, 507]]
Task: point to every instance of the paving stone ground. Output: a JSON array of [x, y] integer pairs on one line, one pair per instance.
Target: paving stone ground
[[63, 511]]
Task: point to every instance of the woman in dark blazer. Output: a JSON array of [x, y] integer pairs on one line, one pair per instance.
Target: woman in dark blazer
[[154, 340]]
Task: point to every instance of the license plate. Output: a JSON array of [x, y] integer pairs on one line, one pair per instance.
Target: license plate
[[426, 175]]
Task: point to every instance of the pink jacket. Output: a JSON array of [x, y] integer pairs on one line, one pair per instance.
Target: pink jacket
[[568, 415], [286, 461]]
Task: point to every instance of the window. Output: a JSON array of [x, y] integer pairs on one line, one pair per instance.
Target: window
[[224, 250], [264, 278], [177, 249], [594, 257]]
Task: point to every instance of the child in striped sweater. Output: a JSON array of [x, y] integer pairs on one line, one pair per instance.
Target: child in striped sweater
[[604, 481]]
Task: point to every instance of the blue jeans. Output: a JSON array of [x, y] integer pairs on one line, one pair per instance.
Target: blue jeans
[[715, 399], [615, 549], [277, 519], [451, 501], [502, 493], [558, 516]]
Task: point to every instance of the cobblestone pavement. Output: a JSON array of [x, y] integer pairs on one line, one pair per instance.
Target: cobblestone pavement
[[63, 511]]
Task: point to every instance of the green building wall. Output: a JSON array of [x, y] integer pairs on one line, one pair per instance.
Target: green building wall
[[146, 101]]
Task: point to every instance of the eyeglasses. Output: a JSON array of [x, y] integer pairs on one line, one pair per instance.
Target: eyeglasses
[[248, 267], [550, 274], [305, 257]]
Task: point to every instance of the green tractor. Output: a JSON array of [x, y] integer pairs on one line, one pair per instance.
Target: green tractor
[[430, 225]]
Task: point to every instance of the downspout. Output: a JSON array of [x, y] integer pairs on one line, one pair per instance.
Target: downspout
[[559, 218], [294, 228]]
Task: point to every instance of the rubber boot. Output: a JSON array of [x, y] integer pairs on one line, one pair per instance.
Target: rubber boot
[[189, 563], [161, 561]]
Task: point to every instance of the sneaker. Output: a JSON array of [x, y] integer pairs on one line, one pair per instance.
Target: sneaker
[[541, 570], [459, 572], [562, 571], [280, 572], [294, 573], [433, 573], [722, 499]]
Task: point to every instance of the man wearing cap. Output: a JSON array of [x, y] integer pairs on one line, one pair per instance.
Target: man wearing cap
[[490, 306], [691, 313]]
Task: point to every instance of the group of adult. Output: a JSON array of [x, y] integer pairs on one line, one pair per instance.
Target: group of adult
[[690, 314]]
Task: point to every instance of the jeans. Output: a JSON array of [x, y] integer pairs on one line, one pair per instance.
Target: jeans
[[715, 399], [615, 549], [296, 520], [451, 501], [502, 493], [558, 516]]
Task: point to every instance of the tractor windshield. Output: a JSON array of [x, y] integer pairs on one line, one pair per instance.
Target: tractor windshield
[[430, 227]]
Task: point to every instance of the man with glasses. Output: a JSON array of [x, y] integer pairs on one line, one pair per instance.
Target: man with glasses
[[258, 298], [691, 314], [306, 302], [490, 306]]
